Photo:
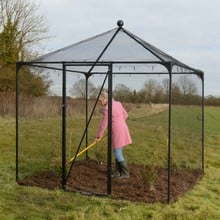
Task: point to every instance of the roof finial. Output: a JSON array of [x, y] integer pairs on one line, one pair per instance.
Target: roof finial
[[120, 23]]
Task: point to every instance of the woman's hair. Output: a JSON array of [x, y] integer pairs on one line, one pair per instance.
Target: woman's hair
[[103, 95]]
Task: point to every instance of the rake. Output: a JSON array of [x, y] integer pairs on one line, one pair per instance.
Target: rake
[[86, 148]]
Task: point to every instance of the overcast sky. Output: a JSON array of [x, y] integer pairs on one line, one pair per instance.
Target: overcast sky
[[188, 30]]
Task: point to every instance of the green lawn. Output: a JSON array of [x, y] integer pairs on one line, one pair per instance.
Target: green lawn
[[41, 140]]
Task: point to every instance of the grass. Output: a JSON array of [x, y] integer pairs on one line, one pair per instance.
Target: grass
[[19, 202]]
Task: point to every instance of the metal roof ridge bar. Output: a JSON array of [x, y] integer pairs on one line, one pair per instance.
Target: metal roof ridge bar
[[103, 51], [141, 43]]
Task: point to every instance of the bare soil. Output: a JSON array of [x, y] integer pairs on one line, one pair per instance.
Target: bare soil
[[90, 177]]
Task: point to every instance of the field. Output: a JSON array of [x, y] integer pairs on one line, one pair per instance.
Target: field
[[38, 152]]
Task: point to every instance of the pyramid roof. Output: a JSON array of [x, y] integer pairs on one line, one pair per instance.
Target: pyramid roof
[[114, 46]]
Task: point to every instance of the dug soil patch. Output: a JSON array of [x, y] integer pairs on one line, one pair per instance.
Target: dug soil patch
[[90, 176]]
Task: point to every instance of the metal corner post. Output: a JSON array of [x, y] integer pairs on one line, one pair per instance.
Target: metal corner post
[[16, 118], [169, 136], [64, 129], [87, 113], [203, 125], [109, 151]]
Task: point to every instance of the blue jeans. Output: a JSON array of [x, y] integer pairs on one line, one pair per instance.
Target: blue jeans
[[118, 154]]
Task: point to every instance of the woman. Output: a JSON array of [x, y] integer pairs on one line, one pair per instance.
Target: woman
[[120, 133]]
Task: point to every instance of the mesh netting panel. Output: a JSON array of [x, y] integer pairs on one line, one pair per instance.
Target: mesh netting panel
[[186, 141], [187, 121], [145, 97], [83, 118], [125, 48], [39, 129], [87, 50]]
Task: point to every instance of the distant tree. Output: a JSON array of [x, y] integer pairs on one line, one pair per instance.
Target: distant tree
[[159, 94], [165, 84], [184, 90], [141, 96], [7, 79], [212, 100], [122, 93], [134, 97], [78, 90], [22, 26], [165, 90], [176, 94], [186, 85], [33, 83], [151, 88], [188, 90], [8, 46]]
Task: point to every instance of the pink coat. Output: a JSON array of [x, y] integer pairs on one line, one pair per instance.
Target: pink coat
[[120, 132]]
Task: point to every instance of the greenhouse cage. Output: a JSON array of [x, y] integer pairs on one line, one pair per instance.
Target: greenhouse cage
[[164, 99]]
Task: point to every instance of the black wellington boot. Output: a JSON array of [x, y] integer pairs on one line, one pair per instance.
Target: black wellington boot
[[124, 170], [117, 172]]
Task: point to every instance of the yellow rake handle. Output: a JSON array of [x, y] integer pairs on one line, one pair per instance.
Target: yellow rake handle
[[85, 149]]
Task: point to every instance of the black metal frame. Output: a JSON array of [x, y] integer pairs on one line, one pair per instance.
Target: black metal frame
[[109, 74]]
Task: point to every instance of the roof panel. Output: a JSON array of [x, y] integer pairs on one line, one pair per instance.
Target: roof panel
[[125, 48], [116, 45], [122, 48], [87, 50]]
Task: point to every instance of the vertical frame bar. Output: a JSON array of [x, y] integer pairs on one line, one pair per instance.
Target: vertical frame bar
[[109, 151], [64, 128], [169, 136], [203, 123], [16, 118], [87, 78]]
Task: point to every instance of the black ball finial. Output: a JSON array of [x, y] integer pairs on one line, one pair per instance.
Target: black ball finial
[[120, 23]]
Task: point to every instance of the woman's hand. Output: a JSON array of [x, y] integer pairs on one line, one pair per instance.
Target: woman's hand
[[97, 140]]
